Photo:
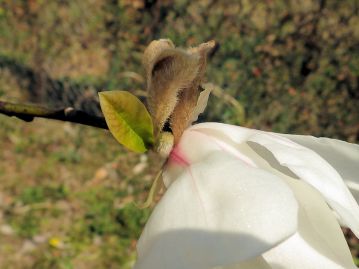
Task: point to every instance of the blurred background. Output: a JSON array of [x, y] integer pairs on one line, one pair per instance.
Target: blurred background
[[67, 191]]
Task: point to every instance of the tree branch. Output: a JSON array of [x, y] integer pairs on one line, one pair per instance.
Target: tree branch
[[28, 112]]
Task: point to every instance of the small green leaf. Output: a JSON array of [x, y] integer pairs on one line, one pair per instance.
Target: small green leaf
[[128, 119]]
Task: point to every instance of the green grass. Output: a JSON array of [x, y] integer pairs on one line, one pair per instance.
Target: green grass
[[82, 194]]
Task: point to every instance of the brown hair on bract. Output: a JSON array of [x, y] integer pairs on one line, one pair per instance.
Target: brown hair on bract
[[173, 77]]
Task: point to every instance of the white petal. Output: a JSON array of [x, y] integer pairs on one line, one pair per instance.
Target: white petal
[[218, 212], [256, 263], [343, 156], [319, 242], [201, 103], [195, 146], [302, 161], [313, 169]]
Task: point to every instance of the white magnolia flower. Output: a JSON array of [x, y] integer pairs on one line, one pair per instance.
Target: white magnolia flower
[[248, 199]]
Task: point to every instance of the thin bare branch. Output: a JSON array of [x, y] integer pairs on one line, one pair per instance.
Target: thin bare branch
[[28, 112]]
